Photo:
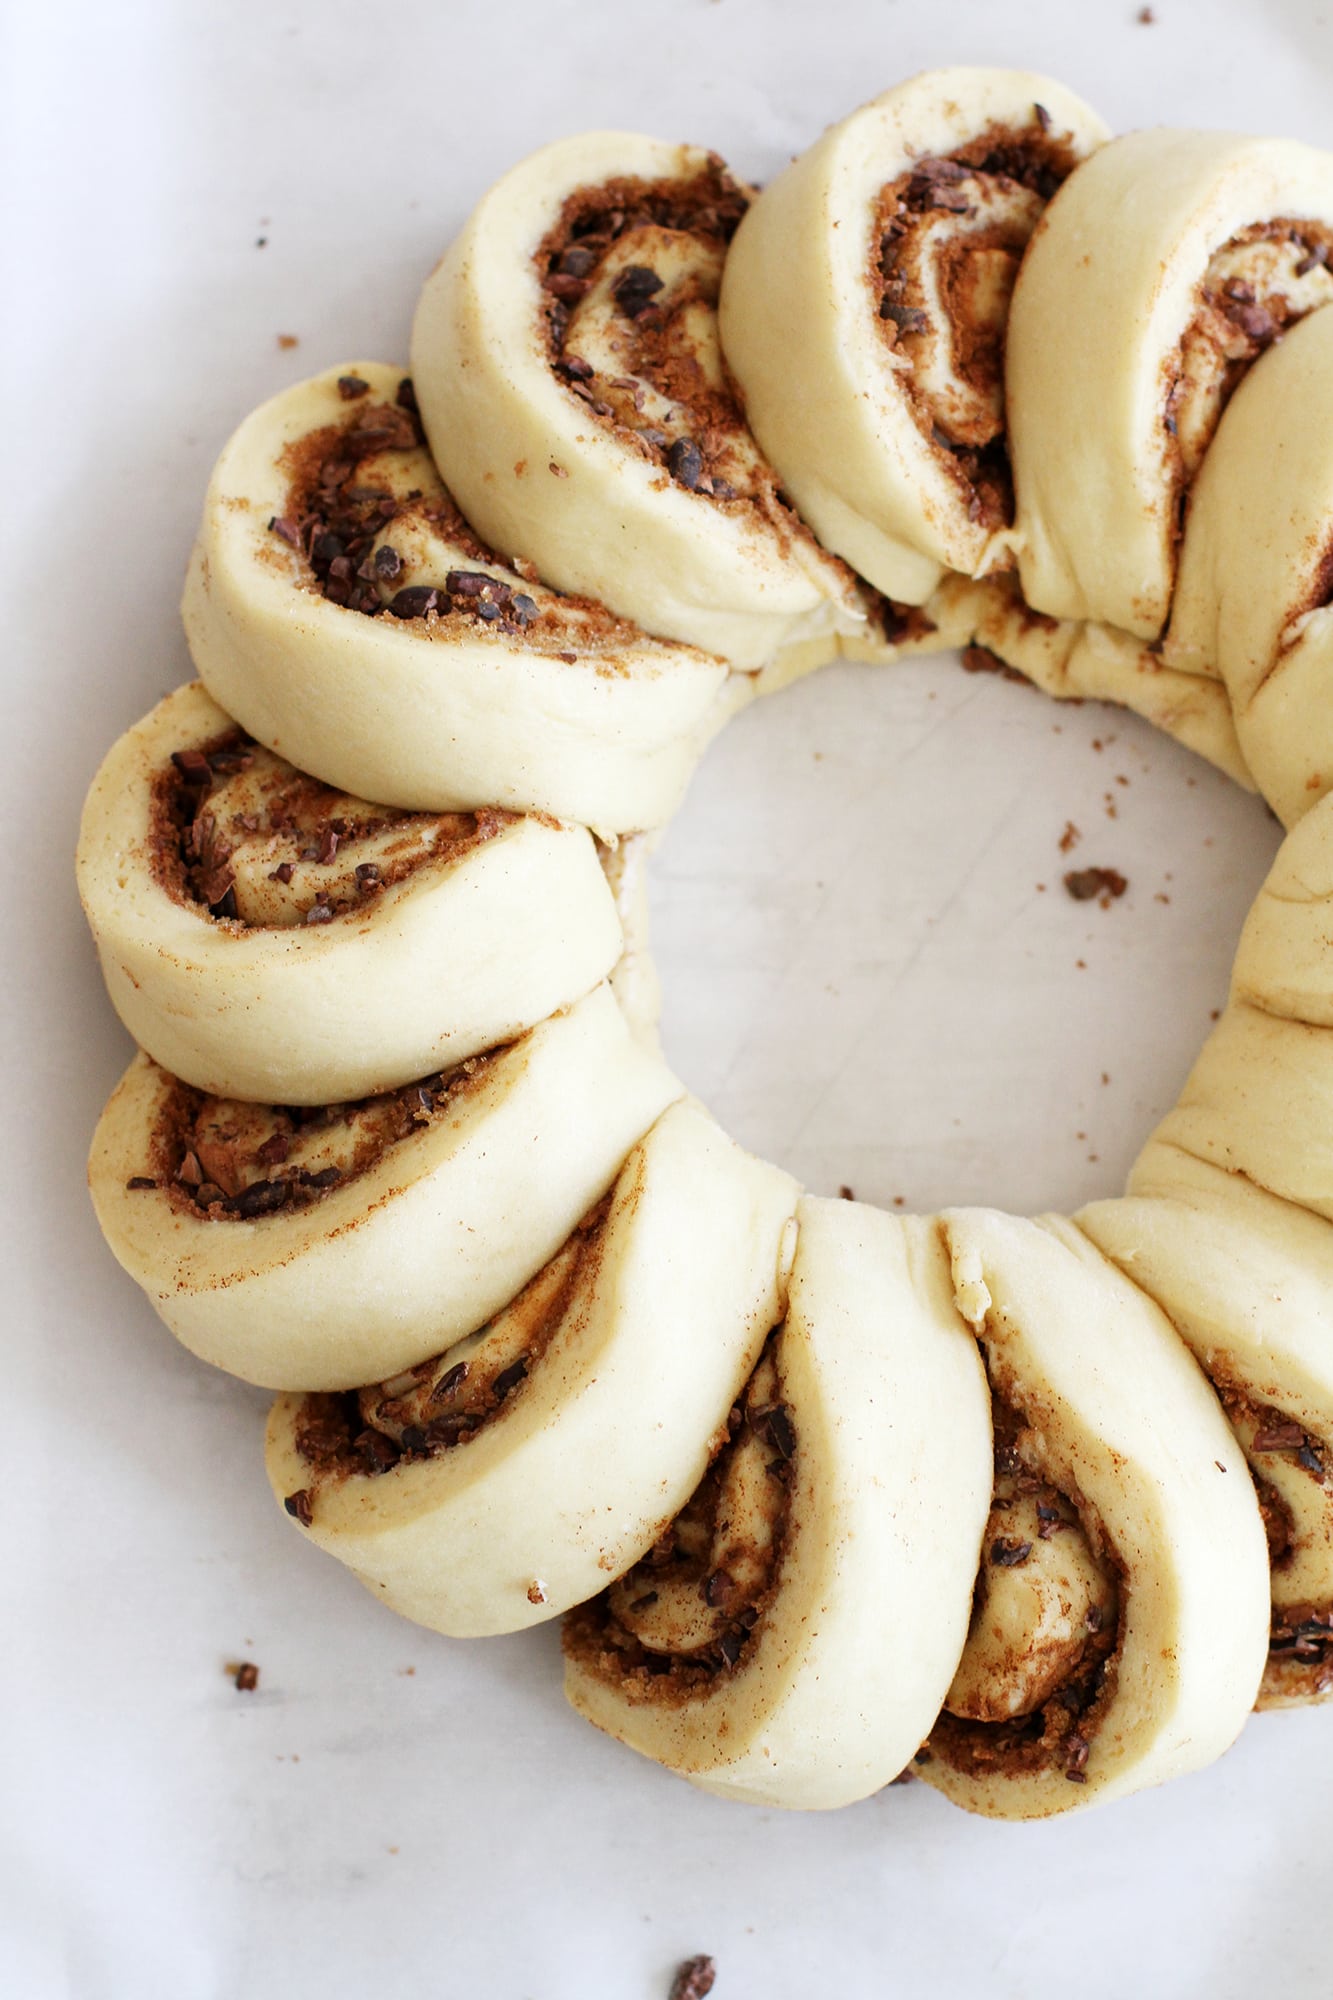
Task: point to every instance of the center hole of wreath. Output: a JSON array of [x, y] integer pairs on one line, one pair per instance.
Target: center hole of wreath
[[861, 976]]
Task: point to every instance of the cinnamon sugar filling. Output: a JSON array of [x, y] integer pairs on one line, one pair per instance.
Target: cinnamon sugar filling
[[446, 1401], [694, 1606], [257, 843], [1293, 1476], [947, 241], [1255, 287], [630, 275], [1062, 1670], [234, 1161]]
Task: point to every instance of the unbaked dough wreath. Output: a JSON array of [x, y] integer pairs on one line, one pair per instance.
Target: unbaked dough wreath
[[1033, 1510]]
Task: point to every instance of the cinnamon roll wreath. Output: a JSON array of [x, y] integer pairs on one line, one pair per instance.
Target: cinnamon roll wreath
[[1033, 1510]]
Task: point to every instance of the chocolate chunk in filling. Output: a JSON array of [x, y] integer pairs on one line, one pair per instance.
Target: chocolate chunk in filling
[[948, 238], [233, 1161], [691, 1607], [446, 1401], [237, 829], [1039, 1668], [630, 276]]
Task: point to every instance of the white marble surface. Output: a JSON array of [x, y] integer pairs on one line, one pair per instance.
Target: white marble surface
[[861, 976]]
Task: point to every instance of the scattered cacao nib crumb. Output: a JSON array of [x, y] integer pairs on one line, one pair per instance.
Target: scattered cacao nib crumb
[[319, 913], [141, 1181], [1145, 17], [509, 1378], [1070, 837], [981, 660], [634, 290], [1042, 116], [1076, 1759], [845, 1193], [1103, 884], [300, 1505], [283, 872], [1007, 1552], [694, 1979], [451, 1380], [907, 319], [414, 601], [246, 1676], [352, 387], [685, 463], [406, 399], [1286, 1436]]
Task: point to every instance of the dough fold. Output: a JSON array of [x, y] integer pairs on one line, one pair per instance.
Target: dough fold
[[264, 936], [320, 1250], [1130, 1652], [863, 313], [1166, 263], [790, 1638], [338, 604], [522, 1468], [566, 359]]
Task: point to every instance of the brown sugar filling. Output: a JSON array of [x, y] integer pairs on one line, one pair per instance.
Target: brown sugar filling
[[379, 533], [695, 1604], [1059, 1732], [233, 1161], [631, 271], [1255, 287], [448, 1400], [954, 288], [1300, 1646], [257, 843]]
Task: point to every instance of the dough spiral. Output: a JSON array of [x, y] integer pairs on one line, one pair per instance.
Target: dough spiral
[[864, 307], [1167, 263], [317, 1249], [507, 1477], [264, 936], [566, 359], [340, 606]]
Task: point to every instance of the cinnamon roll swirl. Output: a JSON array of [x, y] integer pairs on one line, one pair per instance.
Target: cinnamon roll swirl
[[1122, 1519], [512, 1474], [864, 307], [265, 936], [339, 605], [1166, 264], [316, 1248], [566, 359]]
